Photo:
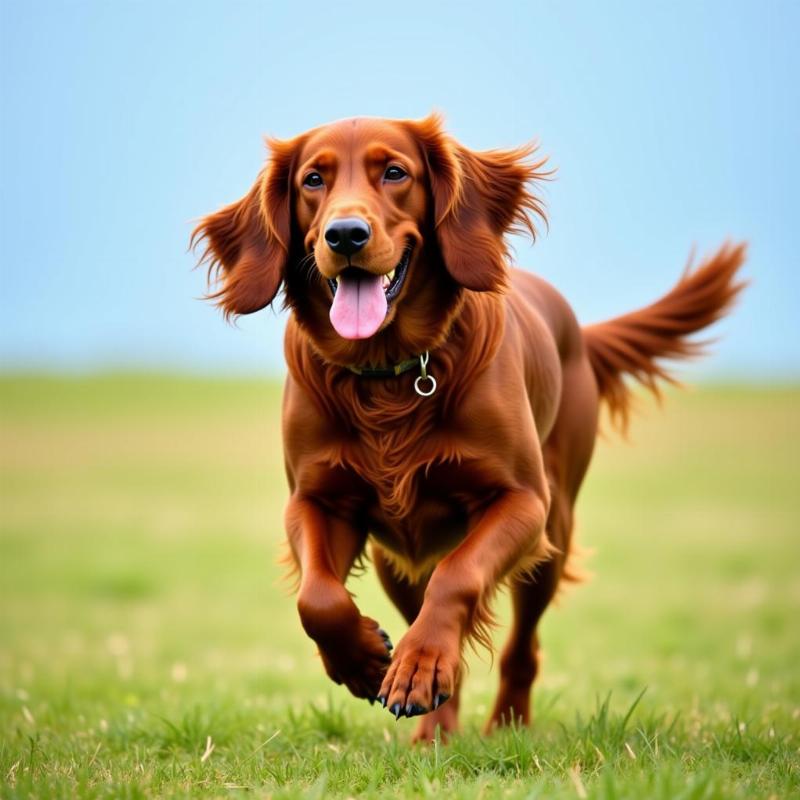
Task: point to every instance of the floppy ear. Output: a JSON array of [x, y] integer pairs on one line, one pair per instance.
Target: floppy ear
[[478, 198], [247, 242]]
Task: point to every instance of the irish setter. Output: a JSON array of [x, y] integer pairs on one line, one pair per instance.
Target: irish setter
[[440, 406]]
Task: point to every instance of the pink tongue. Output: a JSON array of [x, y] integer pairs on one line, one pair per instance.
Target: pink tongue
[[359, 305]]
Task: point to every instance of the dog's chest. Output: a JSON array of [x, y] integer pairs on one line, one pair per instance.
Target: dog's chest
[[400, 465], [432, 528], [422, 493]]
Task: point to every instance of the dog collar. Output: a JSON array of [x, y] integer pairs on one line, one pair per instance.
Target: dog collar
[[424, 385], [385, 372]]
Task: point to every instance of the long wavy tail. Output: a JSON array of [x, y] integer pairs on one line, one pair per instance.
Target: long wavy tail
[[635, 343]]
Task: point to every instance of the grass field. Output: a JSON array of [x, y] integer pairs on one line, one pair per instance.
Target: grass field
[[147, 647]]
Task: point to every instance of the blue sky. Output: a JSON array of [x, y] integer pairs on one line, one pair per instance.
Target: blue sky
[[671, 124]]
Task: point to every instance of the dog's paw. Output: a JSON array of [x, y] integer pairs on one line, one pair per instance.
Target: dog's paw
[[359, 658], [422, 675]]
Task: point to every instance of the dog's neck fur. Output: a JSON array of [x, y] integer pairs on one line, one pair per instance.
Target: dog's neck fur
[[320, 364]]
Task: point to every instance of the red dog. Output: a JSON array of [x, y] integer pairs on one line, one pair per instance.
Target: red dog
[[439, 404]]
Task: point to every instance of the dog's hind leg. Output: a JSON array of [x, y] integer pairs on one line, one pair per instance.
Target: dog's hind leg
[[407, 597], [519, 662], [566, 453]]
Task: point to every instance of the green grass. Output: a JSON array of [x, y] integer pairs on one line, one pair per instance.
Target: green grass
[[142, 612]]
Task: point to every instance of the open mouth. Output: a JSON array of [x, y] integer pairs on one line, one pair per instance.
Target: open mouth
[[361, 298], [391, 282]]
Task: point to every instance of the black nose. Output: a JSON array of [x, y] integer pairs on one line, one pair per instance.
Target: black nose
[[347, 235]]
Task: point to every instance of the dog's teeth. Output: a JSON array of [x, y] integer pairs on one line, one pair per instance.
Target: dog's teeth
[[338, 279], [390, 276]]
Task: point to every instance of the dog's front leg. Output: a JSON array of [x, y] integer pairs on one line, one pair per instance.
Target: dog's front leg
[[509, 534], [354, 650]]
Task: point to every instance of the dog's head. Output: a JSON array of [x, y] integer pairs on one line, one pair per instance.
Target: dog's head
[[365, 221]]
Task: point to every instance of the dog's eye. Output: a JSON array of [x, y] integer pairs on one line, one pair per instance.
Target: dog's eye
[[394, 173], [313, 180]]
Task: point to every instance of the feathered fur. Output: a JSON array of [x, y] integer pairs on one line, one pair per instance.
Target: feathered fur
[[636, 345]]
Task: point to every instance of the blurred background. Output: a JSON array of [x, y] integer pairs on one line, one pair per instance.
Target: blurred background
[[672, 125], [141, 477]]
